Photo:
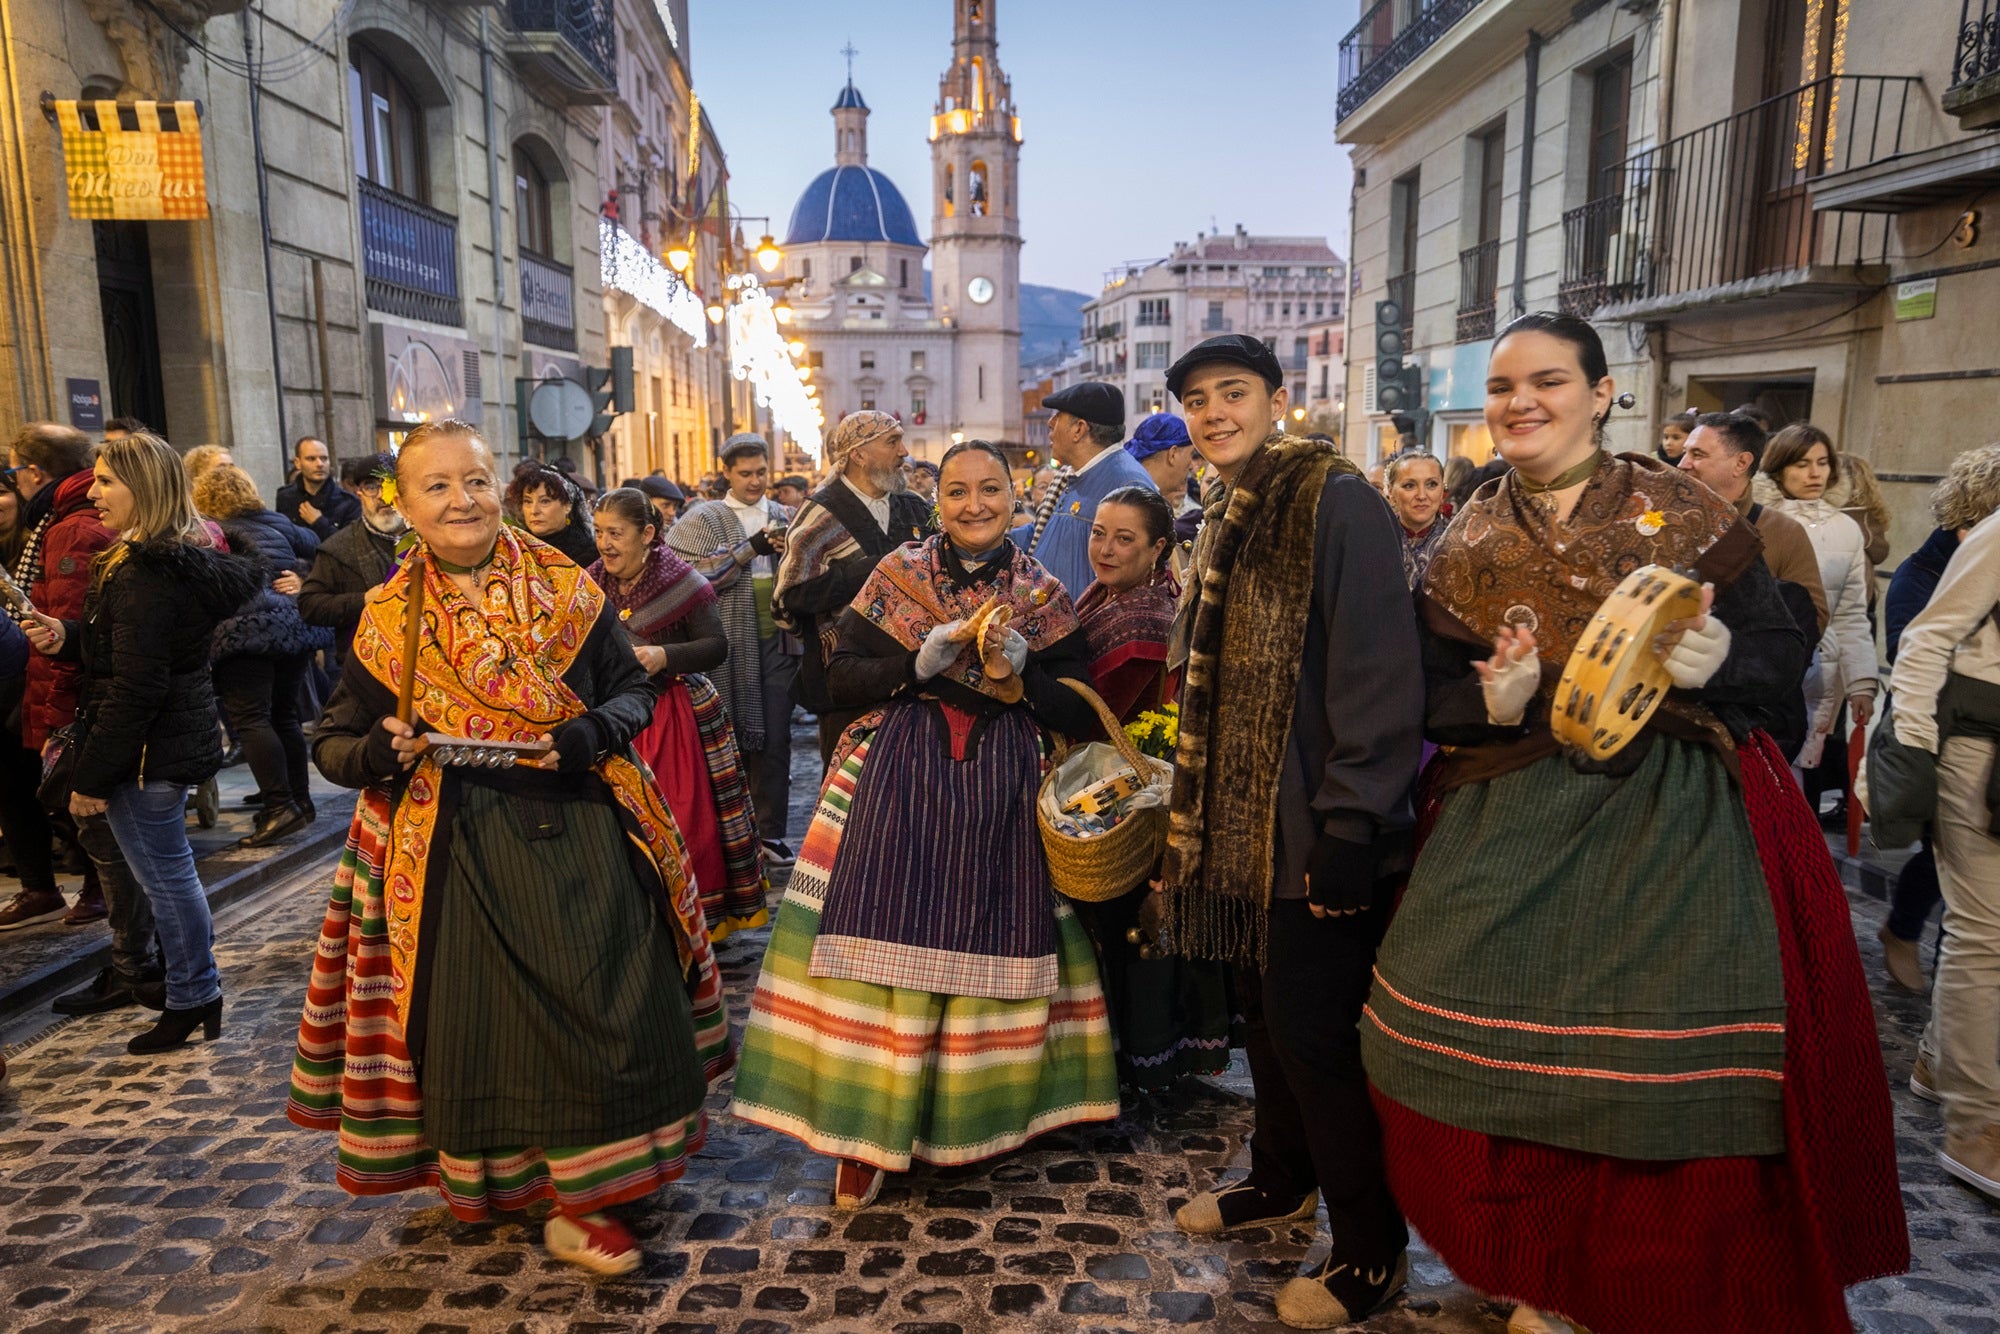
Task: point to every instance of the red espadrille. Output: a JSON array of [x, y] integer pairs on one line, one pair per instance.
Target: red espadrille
[[597, 1242]]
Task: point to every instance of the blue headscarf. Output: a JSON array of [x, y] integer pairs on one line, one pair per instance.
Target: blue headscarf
[[1162, 430]]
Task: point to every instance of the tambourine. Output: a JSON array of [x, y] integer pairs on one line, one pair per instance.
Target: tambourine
[[1614, 681], [1106, 793]]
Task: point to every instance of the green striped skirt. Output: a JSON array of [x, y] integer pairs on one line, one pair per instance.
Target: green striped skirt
[[889, 1074]]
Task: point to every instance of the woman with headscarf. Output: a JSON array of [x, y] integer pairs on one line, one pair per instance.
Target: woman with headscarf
[[669, 610], [925, 995], [1619, 1035], [1414, 483], [552, 506], [514, 997]]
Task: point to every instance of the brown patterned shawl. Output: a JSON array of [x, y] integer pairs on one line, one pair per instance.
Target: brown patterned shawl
[[1505, 561]]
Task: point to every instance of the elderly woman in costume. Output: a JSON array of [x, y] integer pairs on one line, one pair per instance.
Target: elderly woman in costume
[[514, 997], [925, 995], [1619, 1034], [669, 610]]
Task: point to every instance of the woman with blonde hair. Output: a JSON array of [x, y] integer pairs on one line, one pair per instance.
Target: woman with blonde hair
[[147, 717]]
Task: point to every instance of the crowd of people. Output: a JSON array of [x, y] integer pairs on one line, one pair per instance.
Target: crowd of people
[[1537, 1004]]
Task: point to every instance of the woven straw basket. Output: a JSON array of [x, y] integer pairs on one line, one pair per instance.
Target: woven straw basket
[[1107, 865]]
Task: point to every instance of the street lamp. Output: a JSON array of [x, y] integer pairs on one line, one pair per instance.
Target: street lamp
[[769, 257], [715, 312], [679, 257]]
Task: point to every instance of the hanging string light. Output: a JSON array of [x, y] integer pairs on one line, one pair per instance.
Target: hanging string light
[[758, 355], [626, 266]]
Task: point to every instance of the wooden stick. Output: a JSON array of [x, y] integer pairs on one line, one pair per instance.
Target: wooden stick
[[413, 633]]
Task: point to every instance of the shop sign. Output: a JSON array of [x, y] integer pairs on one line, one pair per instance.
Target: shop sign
[[1917, 300], [146, 172], [86, 405]]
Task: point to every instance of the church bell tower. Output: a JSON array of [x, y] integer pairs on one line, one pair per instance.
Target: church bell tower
[[976, 227]]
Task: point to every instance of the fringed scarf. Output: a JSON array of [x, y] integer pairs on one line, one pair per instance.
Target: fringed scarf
[[667, 592], [1120, 627], [1242, 631]]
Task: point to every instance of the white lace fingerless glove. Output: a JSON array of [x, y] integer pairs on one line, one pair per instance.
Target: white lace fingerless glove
[[1699, 655], [1508, 691]]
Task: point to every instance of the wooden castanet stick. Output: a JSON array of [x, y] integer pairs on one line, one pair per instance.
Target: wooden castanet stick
[[413, 635]]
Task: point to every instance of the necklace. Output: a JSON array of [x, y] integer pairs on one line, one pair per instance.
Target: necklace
[[1542, 493], [473, 568]]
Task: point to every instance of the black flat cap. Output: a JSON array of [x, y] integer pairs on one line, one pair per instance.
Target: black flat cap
[[1239, 349], [1092, 400], [659, 488]]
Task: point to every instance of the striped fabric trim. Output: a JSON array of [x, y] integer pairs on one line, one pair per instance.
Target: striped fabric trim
[[353, 1075], [1576, 1030], [1573, 1072]]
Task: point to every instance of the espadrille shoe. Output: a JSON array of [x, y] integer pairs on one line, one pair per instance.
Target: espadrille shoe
[[1242, 1205], [596, 1242], [1340, 1294], [856, 1184], [1527, 1320]]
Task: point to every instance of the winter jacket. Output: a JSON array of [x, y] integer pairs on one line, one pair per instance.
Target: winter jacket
[[147, 709], [1844, 663], [337, 507], [1914, 582], [349, 563], [1840, 495], [270, 626], [67, 542]]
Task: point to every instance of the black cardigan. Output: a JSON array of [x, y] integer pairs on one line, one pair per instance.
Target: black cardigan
[[147, 709], [351, 748]]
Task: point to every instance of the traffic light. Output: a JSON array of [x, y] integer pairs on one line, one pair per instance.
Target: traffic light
[[610, 390], [621, 380], [1404, 393], [1394, 387]]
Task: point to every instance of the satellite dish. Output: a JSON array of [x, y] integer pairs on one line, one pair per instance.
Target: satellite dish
[[561, 410]]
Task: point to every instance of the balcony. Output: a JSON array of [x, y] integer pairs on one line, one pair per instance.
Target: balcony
[[1974, 95], [1406, 58], [409, 256], [569, 46], [1106, 332], [1727, 213], [1218, 324], [548, 303], [1914, 156], [1390, 35], [1478, 282]]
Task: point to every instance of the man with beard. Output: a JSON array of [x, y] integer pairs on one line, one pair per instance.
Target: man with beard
[[355, 559], [837, 538]]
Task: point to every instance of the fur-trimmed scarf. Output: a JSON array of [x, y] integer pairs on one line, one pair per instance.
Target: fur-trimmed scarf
[[1243, 618]]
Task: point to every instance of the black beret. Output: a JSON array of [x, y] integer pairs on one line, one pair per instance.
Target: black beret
[[1092, 401], [1240, 349], [659, 488]]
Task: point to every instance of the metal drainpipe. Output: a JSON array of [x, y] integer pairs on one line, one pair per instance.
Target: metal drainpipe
[[502, 436], [1534, 78], [264, 222], [1670, 27]]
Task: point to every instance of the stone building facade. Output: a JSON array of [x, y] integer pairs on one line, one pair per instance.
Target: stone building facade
[[433, 177]]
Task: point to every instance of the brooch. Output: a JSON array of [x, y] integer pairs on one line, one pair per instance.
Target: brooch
[[625, 615], [1651, 522], [1076, 507]]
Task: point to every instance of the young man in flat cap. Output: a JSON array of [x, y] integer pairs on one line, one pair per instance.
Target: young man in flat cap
[[836, 540], [1089, 422], [1301, 721]]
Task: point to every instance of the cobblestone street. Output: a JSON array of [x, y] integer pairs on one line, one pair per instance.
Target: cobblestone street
[[173, 1194]]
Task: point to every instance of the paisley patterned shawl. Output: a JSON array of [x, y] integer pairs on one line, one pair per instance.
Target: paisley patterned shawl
[[1123, 626], [910, 594], [1505, 561], [667, 591], [494, 672]]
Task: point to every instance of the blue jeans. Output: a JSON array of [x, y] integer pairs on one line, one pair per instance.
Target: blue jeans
[[151, 827]]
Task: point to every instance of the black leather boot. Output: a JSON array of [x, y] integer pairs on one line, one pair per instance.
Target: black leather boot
[[108, 992], [176, 1026], [274, 823]]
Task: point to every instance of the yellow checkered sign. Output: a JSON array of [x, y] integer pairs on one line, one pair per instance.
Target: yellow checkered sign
[[148, 172]]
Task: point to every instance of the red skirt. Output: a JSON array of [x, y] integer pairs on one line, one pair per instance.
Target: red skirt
[[1723, 1245], [671, 747]]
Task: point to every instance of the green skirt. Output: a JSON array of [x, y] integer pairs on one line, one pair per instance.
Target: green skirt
[[1591, 962], [889, 1074]]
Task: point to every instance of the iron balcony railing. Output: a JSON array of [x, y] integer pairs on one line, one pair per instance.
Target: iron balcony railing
[[1218, 324], [548, 302], [409, 256], [1401, 288], [1732, 202], [1978, 42], [587, 25], [1111, 330], [1478, 282], [1391, 35]]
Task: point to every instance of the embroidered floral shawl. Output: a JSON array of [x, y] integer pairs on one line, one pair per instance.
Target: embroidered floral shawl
[[495, 671], [667, 591], [1121, 627]]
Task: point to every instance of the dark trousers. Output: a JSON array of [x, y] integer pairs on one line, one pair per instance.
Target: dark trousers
[[135, 954], [1315, 1124], [1915, 895], [770, 769], [23, 823], [260, 697]]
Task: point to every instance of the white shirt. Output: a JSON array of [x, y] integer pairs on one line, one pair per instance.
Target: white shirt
[[754, 519], [878, 506]]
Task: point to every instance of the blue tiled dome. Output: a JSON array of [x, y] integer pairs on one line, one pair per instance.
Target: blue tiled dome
[[850, 99], [852, 204]]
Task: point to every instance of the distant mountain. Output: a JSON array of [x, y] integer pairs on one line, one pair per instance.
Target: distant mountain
[[1051, 320]]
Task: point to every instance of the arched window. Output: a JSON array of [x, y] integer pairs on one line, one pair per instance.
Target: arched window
[[534, 220], [978, 85], [975, 188], [387, 126], [950, 201]]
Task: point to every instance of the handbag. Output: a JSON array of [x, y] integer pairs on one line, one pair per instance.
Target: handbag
[[58, 769], [1899, 789]]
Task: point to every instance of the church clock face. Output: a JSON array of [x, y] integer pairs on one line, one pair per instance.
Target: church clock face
[[980, 290]]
